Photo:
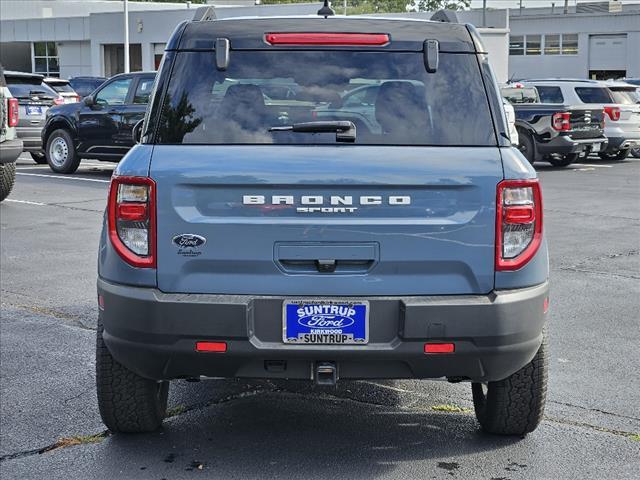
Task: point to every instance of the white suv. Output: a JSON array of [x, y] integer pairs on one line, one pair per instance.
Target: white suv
[[622, 119]]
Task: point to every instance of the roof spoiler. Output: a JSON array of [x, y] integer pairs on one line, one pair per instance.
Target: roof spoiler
[[445, 15], [204, 14]]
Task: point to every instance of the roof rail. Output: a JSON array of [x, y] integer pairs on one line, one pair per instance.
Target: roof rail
[[445, 15], [204, 14]]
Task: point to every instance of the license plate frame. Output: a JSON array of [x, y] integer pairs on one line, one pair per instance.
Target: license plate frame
[[34, 110], [331, 324]]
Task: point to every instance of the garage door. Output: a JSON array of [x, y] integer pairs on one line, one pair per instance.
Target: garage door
[[608, 52]]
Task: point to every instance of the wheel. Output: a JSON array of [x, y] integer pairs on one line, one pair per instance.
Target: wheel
[[526, 146], [127, 401], [7, 179], [617, 155], [563, 161], [61, 153], [38, 157], [635, 152], [515, 405]]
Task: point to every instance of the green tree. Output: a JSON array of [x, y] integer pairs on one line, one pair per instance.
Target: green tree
[[433, 5]]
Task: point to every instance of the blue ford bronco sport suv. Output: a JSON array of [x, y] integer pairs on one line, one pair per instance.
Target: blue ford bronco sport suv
[[252, 234]]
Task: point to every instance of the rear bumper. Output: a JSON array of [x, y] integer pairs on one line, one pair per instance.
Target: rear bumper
[[565, 145], [31, 138], [10, 150], [154, 334], [623, 143]]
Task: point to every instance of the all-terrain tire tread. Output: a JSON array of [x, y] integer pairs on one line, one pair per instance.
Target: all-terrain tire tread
[[7, 179]]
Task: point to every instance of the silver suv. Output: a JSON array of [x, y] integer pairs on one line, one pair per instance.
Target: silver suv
[[622, 119]]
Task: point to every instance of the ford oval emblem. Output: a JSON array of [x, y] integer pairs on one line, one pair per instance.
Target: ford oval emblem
[[189, 240], [326, 321]]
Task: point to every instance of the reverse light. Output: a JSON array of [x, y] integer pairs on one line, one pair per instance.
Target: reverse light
[[332, 39], [561, 122], [612, 112], [518, 223], [439, 348], [13, 112], [132, 220], [212, 347]]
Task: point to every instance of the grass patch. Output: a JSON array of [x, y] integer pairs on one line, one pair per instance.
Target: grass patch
[[177, 410], [635, 437], [78, 440], [450, 408]]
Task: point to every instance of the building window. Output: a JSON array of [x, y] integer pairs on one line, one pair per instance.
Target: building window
[[533, 44], [552, 44], [45, 59], [516, 45], [570, 44]]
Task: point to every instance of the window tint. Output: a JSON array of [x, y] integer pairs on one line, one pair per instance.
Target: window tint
[[625, 96], [360, 97], [29, 87], [594, 95], [115, 93], [143, 90], [204, 105], [84, 87], [62, 87], [520, 95], [550, 94]]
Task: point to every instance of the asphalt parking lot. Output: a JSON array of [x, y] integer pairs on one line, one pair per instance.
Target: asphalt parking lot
[[50, 426]]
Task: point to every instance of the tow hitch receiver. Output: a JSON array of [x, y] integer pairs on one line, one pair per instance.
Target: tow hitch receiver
[[326, 374]]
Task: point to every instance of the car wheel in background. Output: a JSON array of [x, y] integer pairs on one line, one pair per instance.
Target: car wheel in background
[[635, 152], [127, 402], [526, 146], [619, 155], [7, 179], [515, 405], [564, 160], [61, 153], [39, 157]]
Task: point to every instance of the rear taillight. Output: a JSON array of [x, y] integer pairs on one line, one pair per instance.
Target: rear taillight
[[518, 223], [58, 101], [612, 112], [77, 99], [132, 219], [332, 39], [14, 115], [561, 121]]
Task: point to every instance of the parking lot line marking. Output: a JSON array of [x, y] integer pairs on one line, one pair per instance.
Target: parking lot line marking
[[591, 165], [63, 177], [26, 202]]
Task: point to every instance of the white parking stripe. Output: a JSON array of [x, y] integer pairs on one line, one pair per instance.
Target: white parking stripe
[[590, 165], [62, 177], [25, 201]]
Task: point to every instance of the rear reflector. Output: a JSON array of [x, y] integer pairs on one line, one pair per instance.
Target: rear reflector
[[439, 348], [216, 347], [333, 39]]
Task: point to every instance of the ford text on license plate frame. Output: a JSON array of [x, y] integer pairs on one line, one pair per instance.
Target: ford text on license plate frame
[[325, 322]]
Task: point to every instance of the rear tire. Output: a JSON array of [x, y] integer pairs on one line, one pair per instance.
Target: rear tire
[[39, 157], [7, 179], [61, 152], [515, 405], [635, 152], [526, 146], [563, 161], [618, 155], [127, 402]]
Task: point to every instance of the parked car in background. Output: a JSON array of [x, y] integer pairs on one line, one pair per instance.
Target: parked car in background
[[84, 86], [10, 144], [34, 99], [100, 126], [510, 113], [622, 121], [556, 133], [63, 87]]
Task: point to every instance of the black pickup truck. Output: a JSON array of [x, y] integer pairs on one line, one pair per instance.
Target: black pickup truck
[[556, 133]]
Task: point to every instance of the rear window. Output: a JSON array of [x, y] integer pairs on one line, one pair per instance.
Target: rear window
[[625, 96], [62, 87], [85, 87], [550, 94], [389, 96], [520, 95], [594, 95], [24, 87]]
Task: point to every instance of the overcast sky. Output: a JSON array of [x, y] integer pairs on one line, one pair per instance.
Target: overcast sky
[[530, 3]]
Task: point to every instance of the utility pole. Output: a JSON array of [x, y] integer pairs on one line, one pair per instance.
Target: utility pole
[[520, 7], [345, 8], [484, 13], [126, 36]]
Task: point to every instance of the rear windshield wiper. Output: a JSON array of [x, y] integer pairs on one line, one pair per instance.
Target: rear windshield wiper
[[344, 129]]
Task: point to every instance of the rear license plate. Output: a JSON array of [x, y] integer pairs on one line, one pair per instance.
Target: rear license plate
[[31, 110], [596, 147], [329, 322]]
